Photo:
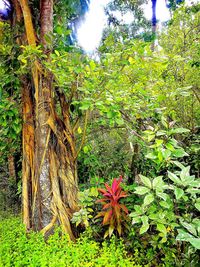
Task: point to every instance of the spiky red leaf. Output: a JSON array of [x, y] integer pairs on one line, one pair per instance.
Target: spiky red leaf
[[106, 206], [107, 216], [124, 208], [102, 191]]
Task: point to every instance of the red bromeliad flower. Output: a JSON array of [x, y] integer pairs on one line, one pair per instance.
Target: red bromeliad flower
[[114, 214]]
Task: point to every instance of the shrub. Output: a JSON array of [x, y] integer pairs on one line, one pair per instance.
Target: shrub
[[86, 203], [114, 213]]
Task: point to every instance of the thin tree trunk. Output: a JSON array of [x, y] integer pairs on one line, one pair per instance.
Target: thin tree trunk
[[154, 23], [133, 168]]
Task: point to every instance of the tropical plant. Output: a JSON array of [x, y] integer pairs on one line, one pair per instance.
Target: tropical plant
[[174, 206], [113, 212], [19, 249], [162, 147], [86, 202]]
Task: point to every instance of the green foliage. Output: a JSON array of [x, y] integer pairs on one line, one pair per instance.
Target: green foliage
[[140, 27], [106, 155], [174, 206], [180, 92], [192, 142], [20, 249], [10, 126], [163, 147], [28, 56], [86, 202]]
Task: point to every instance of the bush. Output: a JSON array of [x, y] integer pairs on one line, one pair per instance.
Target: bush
[[18, 249]]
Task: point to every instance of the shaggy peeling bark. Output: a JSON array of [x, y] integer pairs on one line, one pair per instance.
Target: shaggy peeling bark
[[50, 188], [28, 152]]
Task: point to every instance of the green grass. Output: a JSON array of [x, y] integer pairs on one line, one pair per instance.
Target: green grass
[[17, 249]]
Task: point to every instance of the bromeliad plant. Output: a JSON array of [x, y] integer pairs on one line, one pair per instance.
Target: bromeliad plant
[[113, 212]]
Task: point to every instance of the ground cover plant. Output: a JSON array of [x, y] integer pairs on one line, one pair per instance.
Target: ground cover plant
[[19, 249]]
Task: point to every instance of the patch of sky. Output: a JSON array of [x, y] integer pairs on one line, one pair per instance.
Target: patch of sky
[[5, 9], [90, 29]]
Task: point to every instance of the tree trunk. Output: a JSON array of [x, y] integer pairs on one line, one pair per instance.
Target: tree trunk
[[28, 146], [154, 23], [134, 165], [49, 156]]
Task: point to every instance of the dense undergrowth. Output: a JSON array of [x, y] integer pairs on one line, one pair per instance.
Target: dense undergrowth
[[18, 249]]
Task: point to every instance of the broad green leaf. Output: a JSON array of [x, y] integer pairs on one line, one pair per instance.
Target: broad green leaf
[[179, 153], [174, 178], [136, 219], [119, 121], [131, 60], [153, 216], [159, 142], [164, 122], [157, 182], [166, 153], [138, 209], [179, 130], [190, 227], [146, 181], [173, 142], [59, 29], [141, 190], [161, 228], [151, 155], [148, 199], [164, 204], [195, 183], [164, 239], [169, 146], [161, 133], [185, 173], [150, 137], [178, 193], [183, 235], [178, 164], [193, 190], [85, 105], [173, 225], [197, 205], [162, 195], [160, 156], [145, 225], [92, 65], [196, 222], [195, 242]]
